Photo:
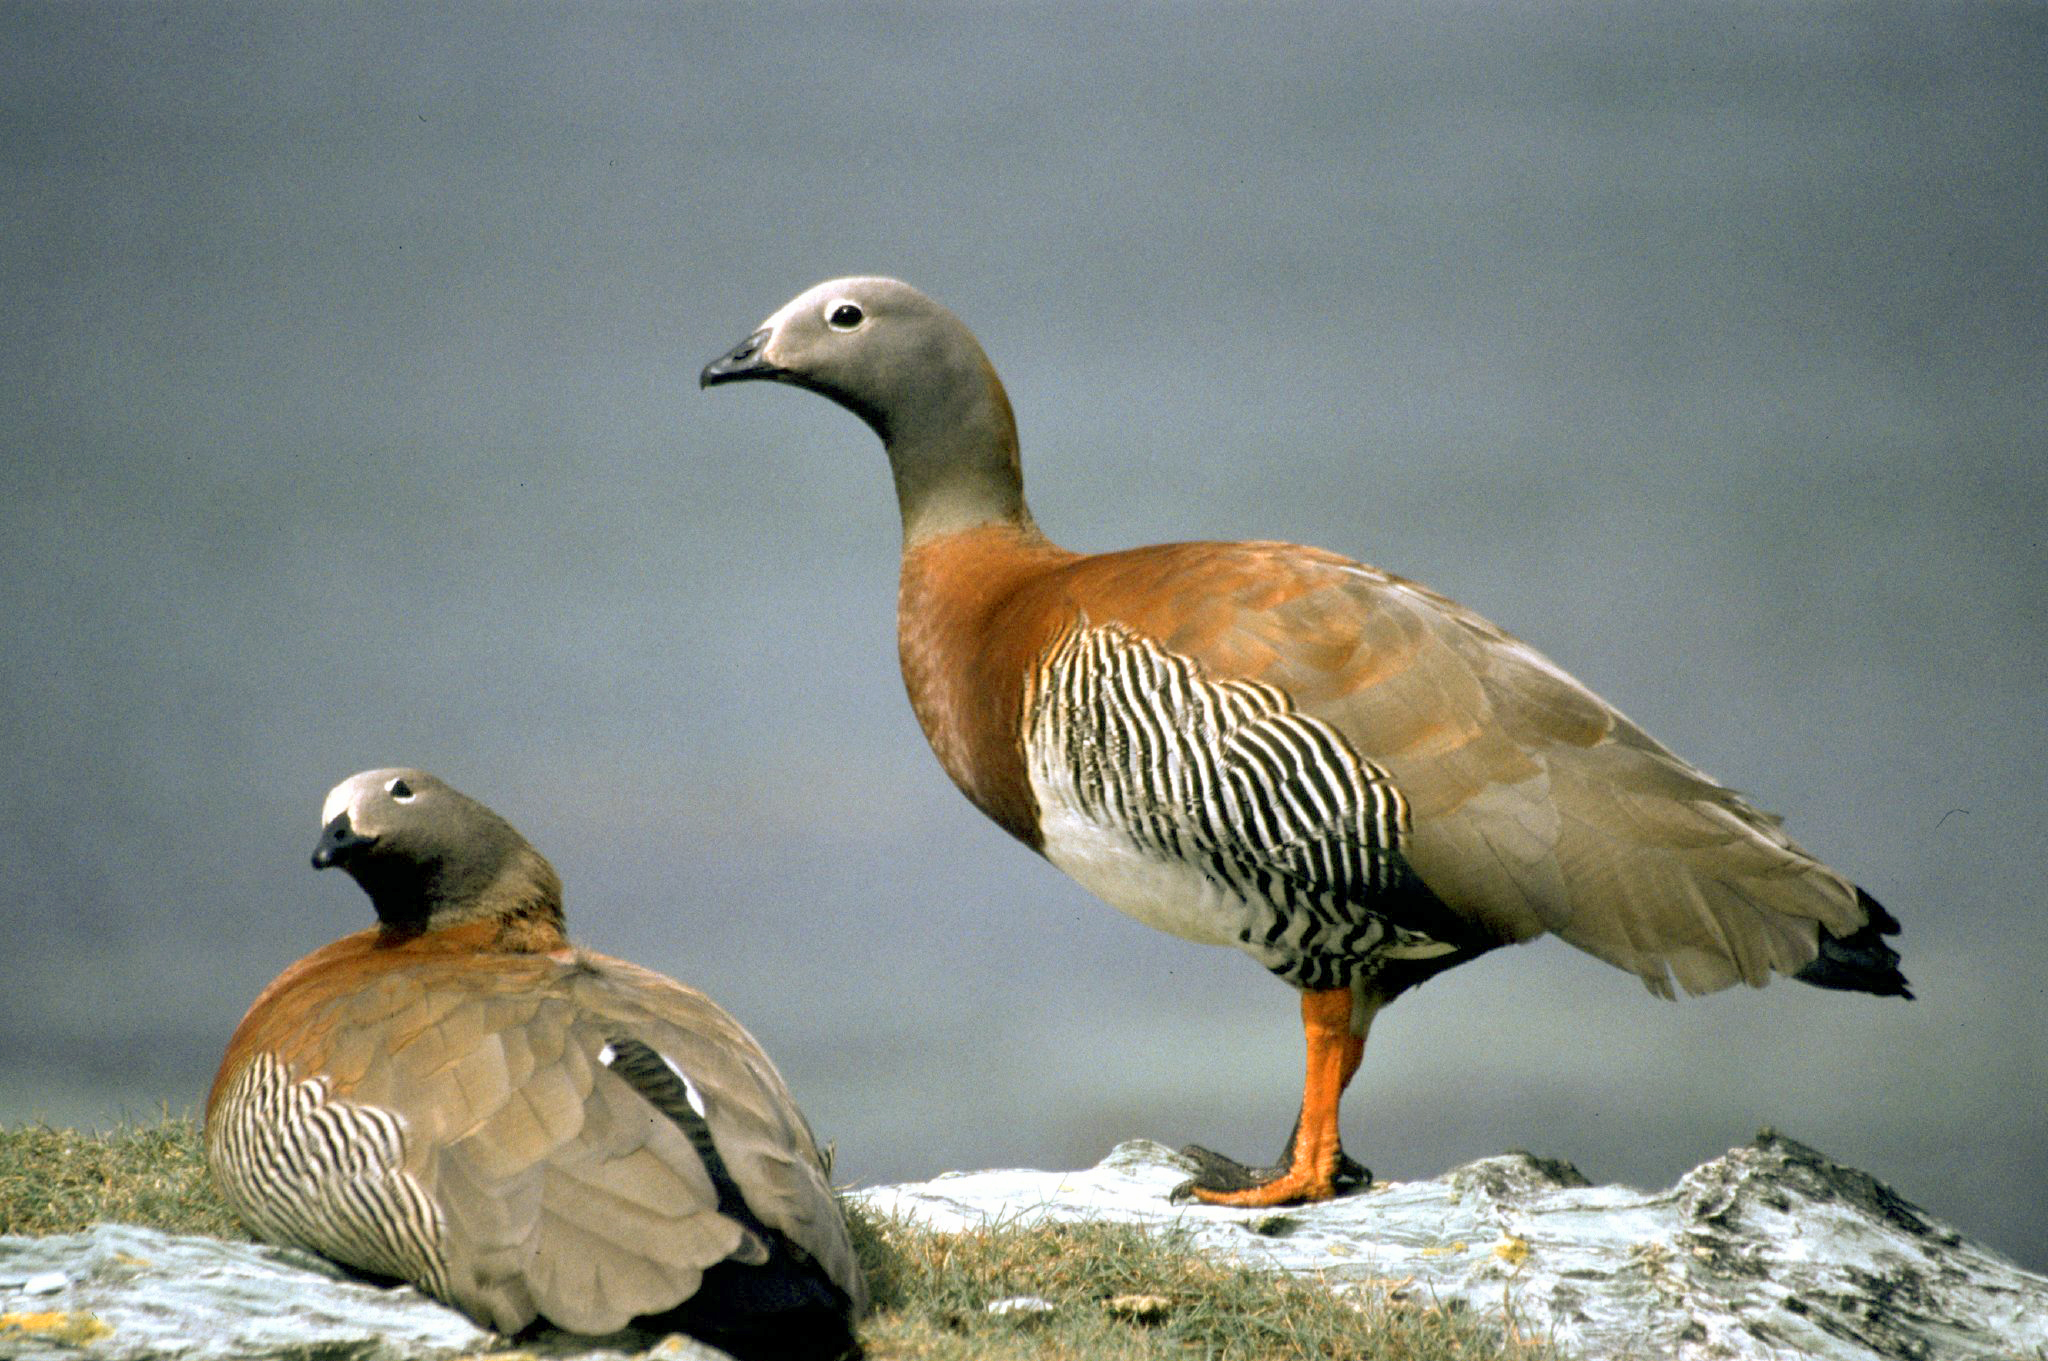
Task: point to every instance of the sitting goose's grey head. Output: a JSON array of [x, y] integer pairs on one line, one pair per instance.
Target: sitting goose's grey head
[[917, 376], [430, 856]]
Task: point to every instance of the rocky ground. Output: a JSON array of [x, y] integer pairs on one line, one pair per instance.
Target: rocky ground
[[1771, 1251]]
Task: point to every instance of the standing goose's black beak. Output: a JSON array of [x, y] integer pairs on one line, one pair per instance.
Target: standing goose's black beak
[[742, 361]]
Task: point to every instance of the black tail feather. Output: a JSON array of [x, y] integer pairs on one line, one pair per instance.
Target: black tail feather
[[1861, 961], [783, 1310]]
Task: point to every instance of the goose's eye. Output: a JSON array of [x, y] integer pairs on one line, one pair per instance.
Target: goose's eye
[[399, 790], [844, 316]]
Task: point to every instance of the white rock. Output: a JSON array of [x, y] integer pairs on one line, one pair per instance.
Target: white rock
[[1021, 1305], [1772, 1251], [136, 1293]]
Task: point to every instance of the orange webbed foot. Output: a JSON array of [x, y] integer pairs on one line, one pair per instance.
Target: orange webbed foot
[[1220, 1180]]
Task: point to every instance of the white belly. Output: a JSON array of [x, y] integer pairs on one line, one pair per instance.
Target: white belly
[[1170, 895]]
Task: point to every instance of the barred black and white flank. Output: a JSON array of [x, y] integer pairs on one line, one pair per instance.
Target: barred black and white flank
[[1214, 809], [326, 1175]]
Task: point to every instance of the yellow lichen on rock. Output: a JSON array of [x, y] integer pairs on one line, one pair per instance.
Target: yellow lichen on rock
[[58, 1325]]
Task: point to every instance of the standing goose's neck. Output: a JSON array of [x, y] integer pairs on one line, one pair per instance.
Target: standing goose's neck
[[954, 456]]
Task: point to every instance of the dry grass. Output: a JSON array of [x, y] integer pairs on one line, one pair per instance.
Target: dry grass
[[1116, 1291], [1102, 1291], [64, 1181]]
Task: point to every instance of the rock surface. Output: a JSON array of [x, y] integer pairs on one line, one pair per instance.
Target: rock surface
[[122, 1293], [1772, 1251]]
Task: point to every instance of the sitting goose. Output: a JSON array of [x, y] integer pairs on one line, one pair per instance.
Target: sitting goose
[[1351, 778], [459, 1098]]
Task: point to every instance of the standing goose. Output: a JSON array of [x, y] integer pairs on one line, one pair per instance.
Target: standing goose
[[459, 1098], [1351, 778]]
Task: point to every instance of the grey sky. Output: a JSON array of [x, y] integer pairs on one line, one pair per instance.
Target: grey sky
[[348, 358]]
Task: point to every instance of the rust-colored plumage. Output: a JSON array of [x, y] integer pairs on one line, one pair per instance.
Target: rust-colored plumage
[[1352, 778], [535, 1133]]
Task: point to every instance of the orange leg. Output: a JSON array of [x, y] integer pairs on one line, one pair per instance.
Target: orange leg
[[1333, 1057]]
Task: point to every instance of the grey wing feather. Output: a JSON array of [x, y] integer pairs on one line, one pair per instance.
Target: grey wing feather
[[1538, 807], [762, 1137], [564, 1193]]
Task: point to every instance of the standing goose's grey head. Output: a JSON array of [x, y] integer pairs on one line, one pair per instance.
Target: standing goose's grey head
[[917, 376], [431, 857]]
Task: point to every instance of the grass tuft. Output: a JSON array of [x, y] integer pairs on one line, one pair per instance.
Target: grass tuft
[[65, 1181], [1108, 1291], [1117, 1291]]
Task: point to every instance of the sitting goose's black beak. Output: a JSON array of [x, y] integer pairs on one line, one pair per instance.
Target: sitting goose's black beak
[[338, 841]]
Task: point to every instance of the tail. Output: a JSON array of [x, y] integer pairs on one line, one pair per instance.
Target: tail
[[1860, 962]]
